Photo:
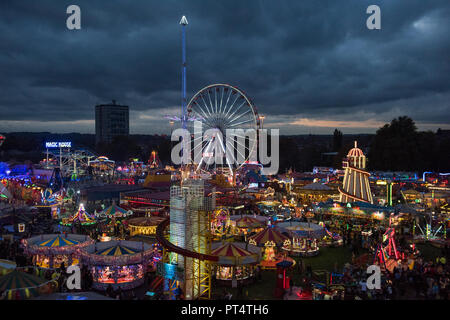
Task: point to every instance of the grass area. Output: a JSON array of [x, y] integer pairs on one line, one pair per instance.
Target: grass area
[[326, 260], [264, 289], [328, 257]]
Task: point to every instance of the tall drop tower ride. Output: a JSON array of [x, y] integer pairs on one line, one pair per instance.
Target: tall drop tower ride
[[183, 23]]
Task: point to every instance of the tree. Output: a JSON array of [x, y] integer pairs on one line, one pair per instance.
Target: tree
[[399, 146], [121, 149]]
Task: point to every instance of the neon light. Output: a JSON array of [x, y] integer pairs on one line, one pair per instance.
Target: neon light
[[66, 144]]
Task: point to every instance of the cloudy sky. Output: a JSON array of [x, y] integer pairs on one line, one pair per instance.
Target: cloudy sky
[[309, 66]]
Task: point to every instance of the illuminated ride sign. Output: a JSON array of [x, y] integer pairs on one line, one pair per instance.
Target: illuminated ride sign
[[49, 145]]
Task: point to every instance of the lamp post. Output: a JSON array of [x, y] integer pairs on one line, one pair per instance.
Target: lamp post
[[171, 122], [261, 118]]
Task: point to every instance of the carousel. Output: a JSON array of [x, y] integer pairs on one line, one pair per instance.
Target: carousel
[[270, 240], [114, 211], [237, 261], [112, 219], [247, 224], [26, 283], [6, 266], [51, 250], [119, 263], [102, 166], [143, 226], [304, 238]]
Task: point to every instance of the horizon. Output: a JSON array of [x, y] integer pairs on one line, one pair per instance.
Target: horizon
[[309, 68]]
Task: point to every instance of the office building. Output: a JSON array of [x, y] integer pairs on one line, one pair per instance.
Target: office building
[[111, 120]]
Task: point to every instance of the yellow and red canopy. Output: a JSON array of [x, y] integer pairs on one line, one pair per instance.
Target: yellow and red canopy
[[230, 250], [268, 235], [249, 222]]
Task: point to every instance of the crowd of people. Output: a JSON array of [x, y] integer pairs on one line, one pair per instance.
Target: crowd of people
[[416, 279], [10, 250], [410, 279]]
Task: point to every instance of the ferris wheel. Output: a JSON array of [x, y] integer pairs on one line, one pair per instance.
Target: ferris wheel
[[220, 107]]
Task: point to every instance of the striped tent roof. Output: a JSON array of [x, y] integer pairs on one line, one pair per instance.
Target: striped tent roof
[[249, 222], [117, 251], [19, 279], [114, 211], [6, 266], [302, 229], [269, 234], [57, 241], [230, 250]]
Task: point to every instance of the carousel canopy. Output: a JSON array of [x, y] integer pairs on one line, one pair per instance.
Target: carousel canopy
[[145, 221], [230, 250], [117, 251], [6, 266], [20, 280], [234, 254], [49, 244], [316, 187], [268, 235], [249, 222], [285, 264], [302, 229], [114, 211], [57, 241]]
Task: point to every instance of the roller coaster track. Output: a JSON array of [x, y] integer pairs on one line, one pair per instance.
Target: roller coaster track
[[173, 248]]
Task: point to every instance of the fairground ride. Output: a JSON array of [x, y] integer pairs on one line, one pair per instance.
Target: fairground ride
[[221, 107], [71, 163], [186, 240]]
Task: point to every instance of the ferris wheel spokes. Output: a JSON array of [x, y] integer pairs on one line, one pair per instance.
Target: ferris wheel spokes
[[225, 153], [221, 111], [231, 106]]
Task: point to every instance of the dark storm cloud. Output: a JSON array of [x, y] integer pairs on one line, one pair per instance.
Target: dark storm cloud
[[311, 59]]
